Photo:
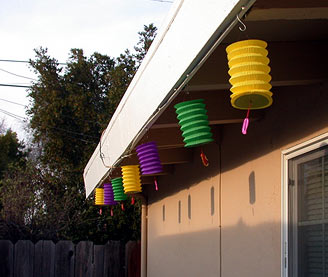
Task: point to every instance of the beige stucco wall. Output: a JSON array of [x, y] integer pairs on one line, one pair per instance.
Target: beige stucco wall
[[250, 190], [182, 249]]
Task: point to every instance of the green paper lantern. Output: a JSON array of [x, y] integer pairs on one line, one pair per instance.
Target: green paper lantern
[[193, 122], [117, 185]]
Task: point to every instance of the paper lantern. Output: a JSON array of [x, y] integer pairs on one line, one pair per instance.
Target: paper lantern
[[99, 196], [149, 158], [249, 71], [193, 122], [109, 194], [117, 185], [131, 179]]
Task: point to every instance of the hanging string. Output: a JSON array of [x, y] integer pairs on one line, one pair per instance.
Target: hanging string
[[155, 181], [204, 158]]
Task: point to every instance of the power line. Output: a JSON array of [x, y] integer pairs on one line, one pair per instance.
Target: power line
[[72, 132], [16, 83], [12, 102], [66, 116], [20, 118], [18, 61], [17, 75], [163, 1], [14, 86], [14, 61]]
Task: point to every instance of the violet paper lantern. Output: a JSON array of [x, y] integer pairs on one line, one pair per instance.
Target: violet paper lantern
[[149, 158], [109, 194]]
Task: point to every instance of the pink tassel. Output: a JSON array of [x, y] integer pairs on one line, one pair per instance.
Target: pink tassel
[[245, 123], [156, 185]]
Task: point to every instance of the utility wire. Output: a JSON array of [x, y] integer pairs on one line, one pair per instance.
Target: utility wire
[[81, 120], [72, 132], [20, 118], [12, 102], [16, 83], [163, 1], [14, 86], [14, 61], [17, 75], [18, 61]]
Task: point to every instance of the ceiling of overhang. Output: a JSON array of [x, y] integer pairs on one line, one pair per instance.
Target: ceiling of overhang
[[296, 31]]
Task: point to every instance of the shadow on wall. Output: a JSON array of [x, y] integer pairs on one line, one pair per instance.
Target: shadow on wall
[[297, 112], [186, 175], [246, 251], [252, 194]]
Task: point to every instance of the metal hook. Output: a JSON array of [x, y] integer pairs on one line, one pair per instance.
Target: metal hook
[[242, 29]]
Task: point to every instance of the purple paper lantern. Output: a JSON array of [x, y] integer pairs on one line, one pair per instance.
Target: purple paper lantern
[[149, 158], [109, 195]]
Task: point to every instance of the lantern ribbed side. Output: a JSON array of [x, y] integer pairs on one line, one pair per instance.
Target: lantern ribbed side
[[193, 122], [249, 71], [109, 194], [149, 158], [99, 196], [117, 185], [131, 179]]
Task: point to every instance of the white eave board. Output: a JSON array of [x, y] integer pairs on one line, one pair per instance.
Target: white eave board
[[189, 32]]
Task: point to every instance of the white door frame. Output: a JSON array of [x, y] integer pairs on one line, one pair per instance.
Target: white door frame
[[286, 155]]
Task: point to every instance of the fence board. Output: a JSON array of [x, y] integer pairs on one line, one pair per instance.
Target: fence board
[[6, 258], [24, 258], [83, 259], [113, 261], [64, 259], [98, 264], [44, 259], [133, 259]]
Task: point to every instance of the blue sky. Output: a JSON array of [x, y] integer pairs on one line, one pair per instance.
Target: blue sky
[[104, 26]]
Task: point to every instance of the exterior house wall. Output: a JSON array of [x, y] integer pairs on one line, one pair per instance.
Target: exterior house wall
[[191, 247], [250, 187]]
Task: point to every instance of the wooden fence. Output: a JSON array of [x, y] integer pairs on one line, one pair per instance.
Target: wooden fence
[[64, 259]]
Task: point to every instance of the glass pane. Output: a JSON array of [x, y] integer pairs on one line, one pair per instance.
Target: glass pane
[[308, 215], [310, 190], [310, 257]]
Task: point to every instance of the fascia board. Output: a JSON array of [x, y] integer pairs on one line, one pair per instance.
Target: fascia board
[[188, 33]]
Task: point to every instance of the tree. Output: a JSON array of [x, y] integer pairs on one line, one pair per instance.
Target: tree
[[12, 152], [69, 108], [146, 38]]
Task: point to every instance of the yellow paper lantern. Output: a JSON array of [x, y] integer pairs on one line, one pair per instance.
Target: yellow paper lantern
[[99, 196], [131, 179], [249, 71]]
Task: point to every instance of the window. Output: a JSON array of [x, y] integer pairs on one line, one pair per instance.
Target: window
[[306, 212]]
